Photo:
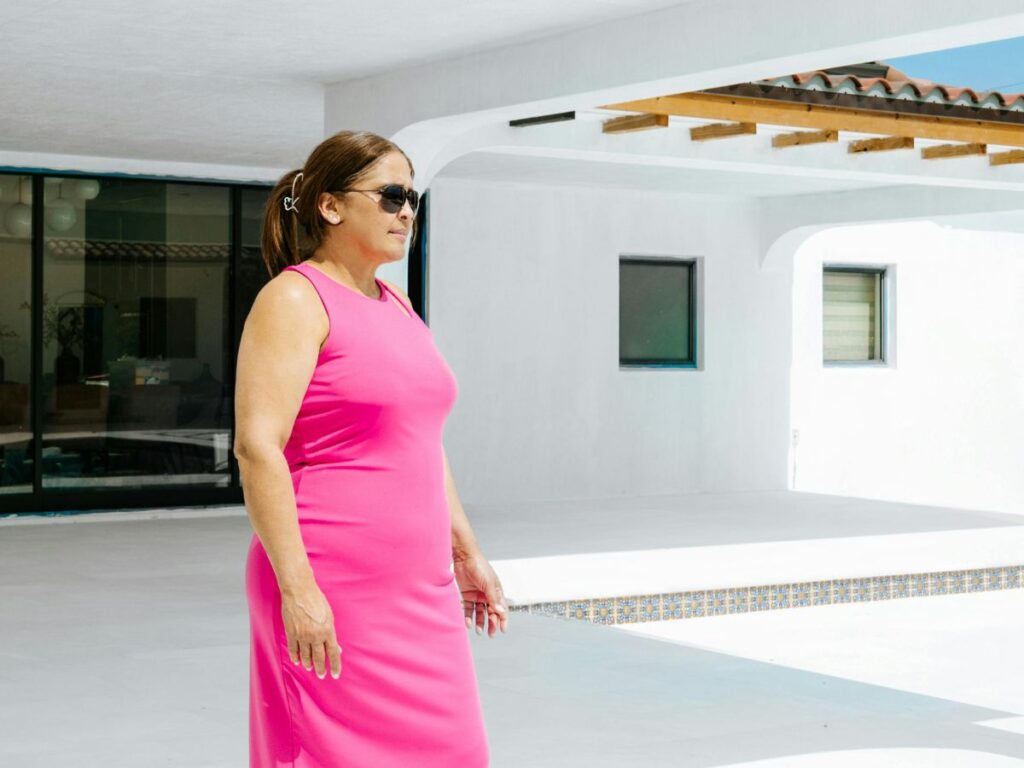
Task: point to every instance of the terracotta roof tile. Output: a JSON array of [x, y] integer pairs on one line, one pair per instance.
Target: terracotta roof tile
[[879, 79]]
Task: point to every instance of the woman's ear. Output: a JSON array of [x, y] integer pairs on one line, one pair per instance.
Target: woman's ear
[[329, 209]]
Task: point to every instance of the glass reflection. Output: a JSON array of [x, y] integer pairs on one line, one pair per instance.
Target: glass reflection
[[15, 334], [135, 335]]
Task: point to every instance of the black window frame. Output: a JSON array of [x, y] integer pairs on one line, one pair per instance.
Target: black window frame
[[692, 265], [54, 501]]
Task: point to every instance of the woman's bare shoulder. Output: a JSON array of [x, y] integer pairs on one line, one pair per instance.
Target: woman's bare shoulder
[[289, 300], [290, 290]]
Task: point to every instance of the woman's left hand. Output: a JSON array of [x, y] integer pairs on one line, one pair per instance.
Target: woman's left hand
[[481, 593]]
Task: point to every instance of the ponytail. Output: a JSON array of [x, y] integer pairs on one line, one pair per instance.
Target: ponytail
[[279, 239]]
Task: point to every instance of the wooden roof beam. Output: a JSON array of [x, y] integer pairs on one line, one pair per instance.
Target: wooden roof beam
[[799, 138], [712, 106], [721, 131], [1006, 158], [881, 144], [629, 123], [952, 150]]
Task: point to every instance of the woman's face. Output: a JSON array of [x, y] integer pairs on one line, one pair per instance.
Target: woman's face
[[358, 220]]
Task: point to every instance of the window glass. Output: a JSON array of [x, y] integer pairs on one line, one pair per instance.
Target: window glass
[[655, 312], [851, 327], [15, 334], [136, 339]]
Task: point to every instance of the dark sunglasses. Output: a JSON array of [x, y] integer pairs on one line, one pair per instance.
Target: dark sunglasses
[[393, 197]]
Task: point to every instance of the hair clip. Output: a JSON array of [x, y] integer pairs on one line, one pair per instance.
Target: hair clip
[[289, 202]]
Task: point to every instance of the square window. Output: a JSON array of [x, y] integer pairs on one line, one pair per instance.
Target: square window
[[852, 313], [657, 312]]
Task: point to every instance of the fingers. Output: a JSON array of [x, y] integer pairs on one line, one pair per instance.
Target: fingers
[[496, 617], [481, 615], [334, 657], [317, 657], [327, 655], [497, 610], [319, 660], [482, 612], [310, 632]]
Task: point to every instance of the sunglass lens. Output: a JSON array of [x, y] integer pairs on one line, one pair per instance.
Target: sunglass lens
[[393, 198]]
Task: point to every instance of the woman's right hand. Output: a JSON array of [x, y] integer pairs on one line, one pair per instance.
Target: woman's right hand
[[309, 627]]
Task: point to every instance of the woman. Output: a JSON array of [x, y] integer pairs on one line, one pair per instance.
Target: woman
[[361, 553]]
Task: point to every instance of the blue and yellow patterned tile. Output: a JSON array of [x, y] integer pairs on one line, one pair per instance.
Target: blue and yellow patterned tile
[[1012, 577], [716, 602], [693, 604], [938, 583], [821, 592], [559, 609], [738, 599], [603, 611], [672, 605], [626, 611], [900, 586], [881, 587], [779, 596], [760, 598], [993, 578], [580, 609], [801, 594], [860, 590], [841, 591], [649, 608], [920, 584]]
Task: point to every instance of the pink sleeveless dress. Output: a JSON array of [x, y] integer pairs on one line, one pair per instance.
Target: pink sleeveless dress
[[366, 463]]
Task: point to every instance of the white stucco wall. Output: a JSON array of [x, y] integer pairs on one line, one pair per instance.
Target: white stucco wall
[[943, 423], [523, 303]]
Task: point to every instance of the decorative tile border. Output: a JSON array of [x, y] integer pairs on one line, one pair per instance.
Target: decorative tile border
[[626, 609]]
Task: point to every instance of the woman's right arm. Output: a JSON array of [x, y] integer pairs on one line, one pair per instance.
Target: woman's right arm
[[277, 355]]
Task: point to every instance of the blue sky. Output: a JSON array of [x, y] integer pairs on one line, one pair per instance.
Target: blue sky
[[996, 66]]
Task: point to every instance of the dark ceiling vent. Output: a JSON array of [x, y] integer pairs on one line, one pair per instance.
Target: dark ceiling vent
[[558, 117]]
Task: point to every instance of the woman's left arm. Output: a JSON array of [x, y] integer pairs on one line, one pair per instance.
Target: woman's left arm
[[482, 596], [479, 584], [464, 543]]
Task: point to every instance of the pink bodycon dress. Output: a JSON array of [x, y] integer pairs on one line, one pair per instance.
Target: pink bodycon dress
[[365, 455]]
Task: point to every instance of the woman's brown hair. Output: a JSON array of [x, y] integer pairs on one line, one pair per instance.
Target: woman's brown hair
[[338, 162]]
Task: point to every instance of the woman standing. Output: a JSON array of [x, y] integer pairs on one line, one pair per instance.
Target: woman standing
[[363, 573]]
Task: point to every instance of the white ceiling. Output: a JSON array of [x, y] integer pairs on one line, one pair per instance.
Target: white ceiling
[[234, 81], [526, 169], [313, 40]]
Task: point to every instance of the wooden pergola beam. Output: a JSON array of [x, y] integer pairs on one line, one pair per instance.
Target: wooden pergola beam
[[881, 144], [711, 106], [952, 150], [799, 138], [1006, 158], [629, 123], [721, 131]]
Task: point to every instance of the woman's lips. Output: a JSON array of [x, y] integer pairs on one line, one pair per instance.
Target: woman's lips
[[401, 235]]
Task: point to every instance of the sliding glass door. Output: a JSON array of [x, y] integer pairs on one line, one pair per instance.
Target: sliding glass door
[[136, 343]]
